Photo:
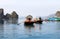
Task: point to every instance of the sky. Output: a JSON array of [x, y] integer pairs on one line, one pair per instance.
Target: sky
[[30, 7]]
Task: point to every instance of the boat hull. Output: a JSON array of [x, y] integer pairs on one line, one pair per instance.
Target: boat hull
[[40, 22], [28, 23]]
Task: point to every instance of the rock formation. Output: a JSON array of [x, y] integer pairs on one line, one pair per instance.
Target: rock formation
[[14, 15], [8, 16], [1, 13], [58, 14]]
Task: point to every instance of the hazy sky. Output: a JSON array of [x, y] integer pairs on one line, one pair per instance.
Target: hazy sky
[[33, 7]]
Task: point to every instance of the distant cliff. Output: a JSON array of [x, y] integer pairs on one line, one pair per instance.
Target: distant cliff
[[1, 13], [13, 15], [58, 14]]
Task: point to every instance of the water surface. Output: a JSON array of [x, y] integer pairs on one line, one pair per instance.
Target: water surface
[[47, 30]]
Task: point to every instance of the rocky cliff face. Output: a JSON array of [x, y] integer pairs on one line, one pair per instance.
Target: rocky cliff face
[[14, 15], [1, 13], [8, 16], [58, 13]]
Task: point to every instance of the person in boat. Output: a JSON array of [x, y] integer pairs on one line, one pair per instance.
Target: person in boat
[[35, 20], [28, 20], [38, 20]]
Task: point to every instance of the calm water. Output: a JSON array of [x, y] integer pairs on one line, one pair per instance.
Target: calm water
[[47, 30]]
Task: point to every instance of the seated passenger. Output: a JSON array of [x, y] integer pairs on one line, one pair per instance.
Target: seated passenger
[[29, 18]]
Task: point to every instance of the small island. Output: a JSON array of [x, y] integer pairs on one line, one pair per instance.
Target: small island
[[13, 15], [10, 18]]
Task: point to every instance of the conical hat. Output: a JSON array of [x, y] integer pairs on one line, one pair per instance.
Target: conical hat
[[29, 16]]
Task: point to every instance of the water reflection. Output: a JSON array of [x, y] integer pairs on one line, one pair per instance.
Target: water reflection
[[12, 21], [38, 27], [44, 31], [1, 21], [58, 26], [33, 30], [29, 29], [1, 29]]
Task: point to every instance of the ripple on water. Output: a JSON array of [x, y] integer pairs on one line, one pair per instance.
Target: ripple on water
[[47, 30]]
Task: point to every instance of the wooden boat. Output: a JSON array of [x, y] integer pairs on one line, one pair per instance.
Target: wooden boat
[[28, 23], [40, 22]]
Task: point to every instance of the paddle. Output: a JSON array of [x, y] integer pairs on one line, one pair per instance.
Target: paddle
[[20, 22]]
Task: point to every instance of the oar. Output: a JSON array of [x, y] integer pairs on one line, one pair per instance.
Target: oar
[[20, 23]]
